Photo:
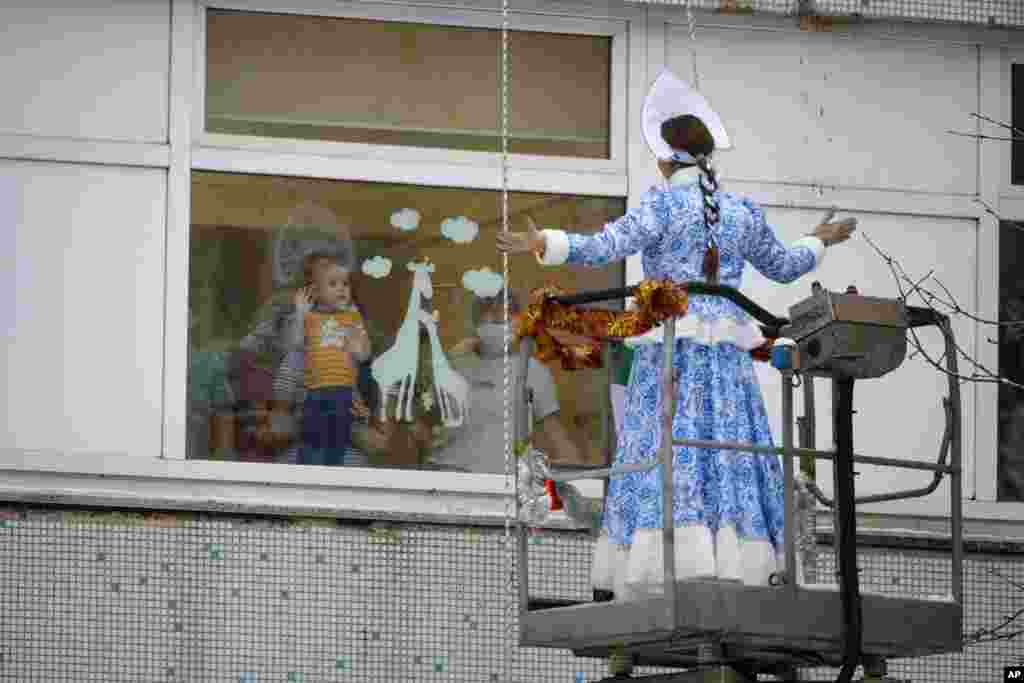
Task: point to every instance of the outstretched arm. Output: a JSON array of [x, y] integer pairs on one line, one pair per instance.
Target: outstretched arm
[[640, 228], [785, 264]]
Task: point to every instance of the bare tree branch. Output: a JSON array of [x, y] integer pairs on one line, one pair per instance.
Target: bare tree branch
[[981, 637], [988, 635], [996, 633], [981, 373], [1001, 124], [979, 136], [1017, 133], [931, 298]]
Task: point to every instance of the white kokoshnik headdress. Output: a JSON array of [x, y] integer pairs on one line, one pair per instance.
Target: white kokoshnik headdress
[[668, 98]]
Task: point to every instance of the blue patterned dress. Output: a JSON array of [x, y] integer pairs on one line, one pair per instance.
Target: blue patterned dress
[[727, 507]]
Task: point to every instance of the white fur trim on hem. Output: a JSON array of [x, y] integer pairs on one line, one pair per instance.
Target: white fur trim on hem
[[815, 245], [747, 335], [637, 571], [556, 248], [608, 571]]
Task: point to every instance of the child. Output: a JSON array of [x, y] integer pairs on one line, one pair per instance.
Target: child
[[284, 430], [329, 331]]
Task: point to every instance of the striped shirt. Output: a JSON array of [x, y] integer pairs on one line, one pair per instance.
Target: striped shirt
[[329, 363]]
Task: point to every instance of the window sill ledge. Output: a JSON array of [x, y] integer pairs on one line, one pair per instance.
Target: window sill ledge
[[255, 488], [137, 482]]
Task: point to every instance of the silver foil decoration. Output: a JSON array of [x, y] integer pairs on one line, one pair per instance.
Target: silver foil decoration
[[534, 501]]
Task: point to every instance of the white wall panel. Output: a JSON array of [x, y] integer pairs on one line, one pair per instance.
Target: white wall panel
[[898, 415], [81, 303], [85, 69], [835, 109]]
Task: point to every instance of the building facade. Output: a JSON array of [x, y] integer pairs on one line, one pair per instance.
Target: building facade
[[162, 168]]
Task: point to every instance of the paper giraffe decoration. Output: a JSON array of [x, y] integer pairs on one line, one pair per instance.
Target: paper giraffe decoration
[[397, 367], [451, 388]]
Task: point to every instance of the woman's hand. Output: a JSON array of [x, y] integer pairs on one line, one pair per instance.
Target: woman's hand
[[834, 233], [522, 242]]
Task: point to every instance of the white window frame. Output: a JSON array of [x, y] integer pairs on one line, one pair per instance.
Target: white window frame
[[390, 162], [395, 492]]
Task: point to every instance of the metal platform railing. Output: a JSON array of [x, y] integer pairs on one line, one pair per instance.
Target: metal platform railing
[[843, 456]]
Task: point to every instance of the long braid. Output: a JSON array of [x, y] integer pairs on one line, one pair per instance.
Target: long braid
[[712, 214]]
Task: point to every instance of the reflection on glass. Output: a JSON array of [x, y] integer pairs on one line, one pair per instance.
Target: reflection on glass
[[392, 83], [1011, 365], [341, 323]]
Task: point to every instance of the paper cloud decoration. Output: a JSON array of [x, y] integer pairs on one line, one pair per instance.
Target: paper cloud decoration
[[377, 267], [459, 229], [406, 220], [484, 283]]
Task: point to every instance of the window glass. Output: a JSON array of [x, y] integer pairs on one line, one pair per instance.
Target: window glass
[[393, 83], [1011, 364], [421, 264]]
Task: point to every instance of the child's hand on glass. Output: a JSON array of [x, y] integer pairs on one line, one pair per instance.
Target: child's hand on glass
[[359, 408], [303, 300], [360, 341]]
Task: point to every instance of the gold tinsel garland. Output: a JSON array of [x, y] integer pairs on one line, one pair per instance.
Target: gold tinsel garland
[[656, 301]]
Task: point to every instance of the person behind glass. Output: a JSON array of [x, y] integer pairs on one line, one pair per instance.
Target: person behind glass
[[329, 331], [728, 507], [480, 445], [284, 428]]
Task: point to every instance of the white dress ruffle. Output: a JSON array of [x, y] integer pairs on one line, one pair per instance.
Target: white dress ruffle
[[745, 335], [637, 571]]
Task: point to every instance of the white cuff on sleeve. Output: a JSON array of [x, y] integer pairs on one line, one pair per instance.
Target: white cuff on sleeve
[[556, 248], [815, 245]]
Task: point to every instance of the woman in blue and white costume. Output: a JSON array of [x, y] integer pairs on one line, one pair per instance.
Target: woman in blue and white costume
[[728, 508]]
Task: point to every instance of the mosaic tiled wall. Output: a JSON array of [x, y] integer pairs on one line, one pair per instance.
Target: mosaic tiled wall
[[1007, 13], [101, 596], [993, 599], [95, 596]]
